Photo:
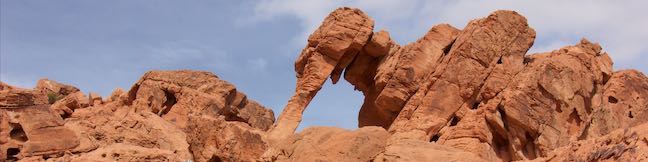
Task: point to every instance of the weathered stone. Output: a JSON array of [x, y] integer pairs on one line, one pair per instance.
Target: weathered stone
[[220, 122], [484, 45], [453, 95], [65, 106], [118, 95], [95, 99], [31, 131], [330, 49], [399, 75], [105, 132], [178, 95], [334, 144], [18, 97], [416, 150], [214, 139], [619, 145], [379, 45], [621, 104], [51, 87]]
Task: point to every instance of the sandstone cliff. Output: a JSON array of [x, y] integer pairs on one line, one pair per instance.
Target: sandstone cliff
[[471, 94]]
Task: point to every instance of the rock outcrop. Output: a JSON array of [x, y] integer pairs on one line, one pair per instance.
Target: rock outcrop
[[474, 93], [332, 144], [471, 94], [166, 116], [330, 49]]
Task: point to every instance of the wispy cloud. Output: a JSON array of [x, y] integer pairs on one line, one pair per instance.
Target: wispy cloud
[[619, 26], [187, 54], [257, 64]]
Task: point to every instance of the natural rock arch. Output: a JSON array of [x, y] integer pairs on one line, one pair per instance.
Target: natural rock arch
[[473, 89]]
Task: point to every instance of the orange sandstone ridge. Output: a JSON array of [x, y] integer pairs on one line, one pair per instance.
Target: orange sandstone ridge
[[468, 94]]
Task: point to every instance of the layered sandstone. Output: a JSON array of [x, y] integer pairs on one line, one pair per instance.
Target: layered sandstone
[[475, 93], [470, 94], [166, 116]]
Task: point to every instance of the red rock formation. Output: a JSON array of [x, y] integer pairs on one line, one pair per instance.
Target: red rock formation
[[330, 49], [468, 94], [166, 116], [473, 91]]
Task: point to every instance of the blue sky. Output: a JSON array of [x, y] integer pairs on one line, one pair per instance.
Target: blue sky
[[101, 45]]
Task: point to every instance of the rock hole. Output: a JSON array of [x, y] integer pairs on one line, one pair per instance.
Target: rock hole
[[527, 60], [501, 147], [170, 101], [558, 107], [434, 138], [574, 118], [235, 118], [500, 109], [231, 114], [529, 147], [115, 155], [454, 121], [446, 50], [475, 106], [606, 77], [17, 133], [103, 155], [499, 61], [66, 115], [215, 159], [630, 115], [612, 99], [12, 154]]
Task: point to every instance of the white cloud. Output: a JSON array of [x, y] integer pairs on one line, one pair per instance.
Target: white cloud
[[620, 27], [258, 64], [187, 54]]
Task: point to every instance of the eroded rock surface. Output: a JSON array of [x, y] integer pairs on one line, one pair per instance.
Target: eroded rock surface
[[166, 116], [330, 49], [475, 94], [470, 94], [333, 144]]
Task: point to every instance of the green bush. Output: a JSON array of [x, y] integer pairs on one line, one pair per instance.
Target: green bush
[[53, 97]]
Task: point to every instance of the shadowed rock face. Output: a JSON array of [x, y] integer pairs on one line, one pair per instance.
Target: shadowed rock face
[[470, 94]]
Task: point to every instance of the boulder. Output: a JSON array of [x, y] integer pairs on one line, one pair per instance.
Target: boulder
[[29, 131], [178, 95], [334, 144], [416, 150], [55, 89], [66, 106]]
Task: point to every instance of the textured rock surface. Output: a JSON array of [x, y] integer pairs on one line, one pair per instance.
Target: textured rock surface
[[329, 50], [473, 94], [334, 144], [416, 150], [166, 116], [178, 95], [470, 94], [619, 145], [53, 87]]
